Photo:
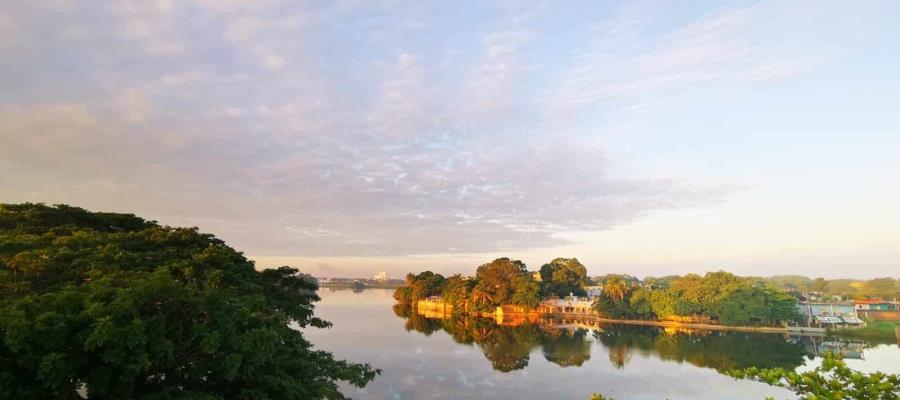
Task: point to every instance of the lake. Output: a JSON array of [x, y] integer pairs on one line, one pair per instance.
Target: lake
[[477, 359]]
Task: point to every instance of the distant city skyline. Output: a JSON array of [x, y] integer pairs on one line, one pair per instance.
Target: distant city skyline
[[351, 138]]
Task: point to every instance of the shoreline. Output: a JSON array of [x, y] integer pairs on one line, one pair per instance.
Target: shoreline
[[676, 324]]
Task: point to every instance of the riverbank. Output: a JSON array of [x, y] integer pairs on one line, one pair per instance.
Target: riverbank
[[668, 324], [349, 285], [514, 315]]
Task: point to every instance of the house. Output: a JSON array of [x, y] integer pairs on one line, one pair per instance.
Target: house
[[828, 314], [874, 305], [568, 305]]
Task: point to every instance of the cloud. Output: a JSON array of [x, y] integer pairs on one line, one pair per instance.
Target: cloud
[[734, 46], [330, 130]]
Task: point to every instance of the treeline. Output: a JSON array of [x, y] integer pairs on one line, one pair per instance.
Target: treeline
[[801, 286], [879, 288], [715, 297], [499, 282]]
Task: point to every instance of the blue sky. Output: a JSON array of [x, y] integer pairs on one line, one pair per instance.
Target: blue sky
[[352, 137]]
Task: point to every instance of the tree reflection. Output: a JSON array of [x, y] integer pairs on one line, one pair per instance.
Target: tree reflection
[[508, 348], [722, 351], [566, 348]]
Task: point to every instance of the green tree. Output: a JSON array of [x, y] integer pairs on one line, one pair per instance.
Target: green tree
[[640, 304], [832, 380], [743, 307], [664, 303], [456, 292], [498, 277], [564, 276], [881, 288], [615, 288], [526, 293], [124, 308], [819, 285], [483, 297]]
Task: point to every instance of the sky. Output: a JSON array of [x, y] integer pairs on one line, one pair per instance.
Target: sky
[[350, 137]]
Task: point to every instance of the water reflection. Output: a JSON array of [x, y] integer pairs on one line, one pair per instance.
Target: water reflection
[[568, 343], [424, 358], [721, 351]]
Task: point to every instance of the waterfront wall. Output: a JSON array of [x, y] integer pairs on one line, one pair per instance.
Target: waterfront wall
[[431, 306]]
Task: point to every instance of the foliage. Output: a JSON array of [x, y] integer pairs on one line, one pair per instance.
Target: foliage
[[526, 292], [121, 307], [832, 380], [502, 281], [456, 292], [882, 288], [615, 288], [717, 295], [721, 351], [879, 288], [817, 285], [499, 277], [640, 304], [563, 276]]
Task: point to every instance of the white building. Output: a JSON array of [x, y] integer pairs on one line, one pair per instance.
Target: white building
[[381, 277], [593, 291]]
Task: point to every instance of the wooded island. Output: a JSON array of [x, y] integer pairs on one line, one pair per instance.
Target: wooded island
[[717, 297]]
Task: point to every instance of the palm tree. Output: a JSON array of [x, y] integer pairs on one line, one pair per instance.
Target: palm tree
[[481, 295], [615, 288]]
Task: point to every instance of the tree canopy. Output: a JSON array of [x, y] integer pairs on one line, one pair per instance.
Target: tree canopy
[[717, 296], [564, 276], [112, 306]]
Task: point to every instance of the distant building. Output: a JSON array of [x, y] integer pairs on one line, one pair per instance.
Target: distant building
[[874, 305], [381, 277], [536, 275], [594, 291], [828, 314], [567, 305]]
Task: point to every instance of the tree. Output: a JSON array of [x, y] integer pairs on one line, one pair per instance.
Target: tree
[[615, 288], [714, 288], [664, 303], [791, 282], [526, 292], [819, 285], [482, 297], [564, 276], [456, 292], [832, 380], [743, 307], [640, 304], [882, 288], [121, 307], [498, 277]]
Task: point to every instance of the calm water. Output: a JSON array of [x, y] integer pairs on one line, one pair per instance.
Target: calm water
[[476, 359]]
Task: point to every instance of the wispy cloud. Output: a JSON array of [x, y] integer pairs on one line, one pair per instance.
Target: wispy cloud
[[329, 129]]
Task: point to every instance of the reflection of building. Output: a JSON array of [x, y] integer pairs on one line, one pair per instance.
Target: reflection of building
[[567, 305], [818, 345], [381, 277]]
